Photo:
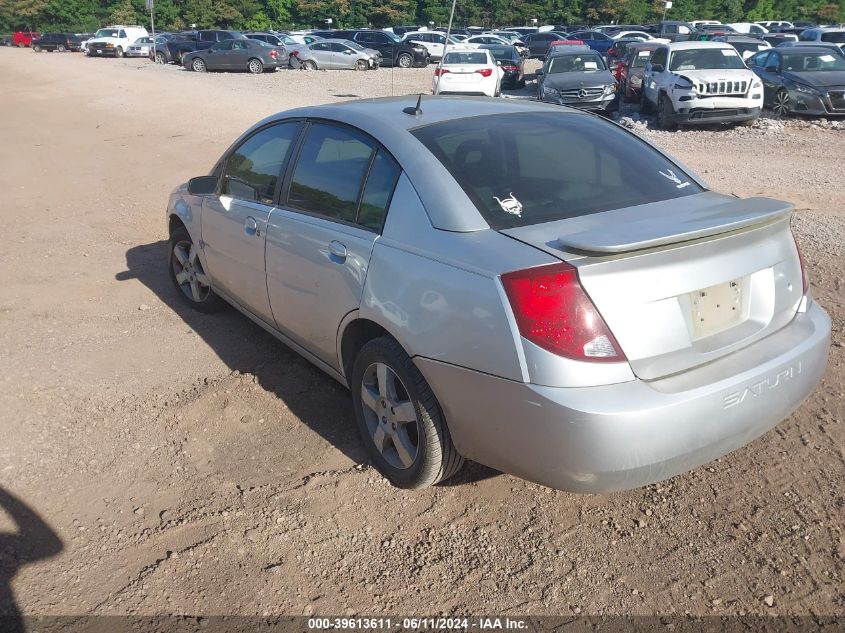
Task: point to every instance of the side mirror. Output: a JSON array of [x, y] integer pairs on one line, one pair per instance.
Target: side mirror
[[202, 185], [771, 69], [657, 68], [498, 62], [539, 72], [347, 52]]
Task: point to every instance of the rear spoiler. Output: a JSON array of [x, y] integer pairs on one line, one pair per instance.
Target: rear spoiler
[[657, 226]]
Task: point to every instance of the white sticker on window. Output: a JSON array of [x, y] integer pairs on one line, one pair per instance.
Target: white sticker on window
[[644, 54], [670, 175], [826, 58], [510, 205], [728, 52], [590, 65]]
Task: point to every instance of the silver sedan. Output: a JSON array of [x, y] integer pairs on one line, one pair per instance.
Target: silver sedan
[[592, 320], [334, 55]]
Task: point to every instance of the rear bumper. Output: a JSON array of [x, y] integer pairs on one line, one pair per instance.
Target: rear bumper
[[622, 436]]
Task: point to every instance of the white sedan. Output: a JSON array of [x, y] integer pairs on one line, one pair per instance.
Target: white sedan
[[646, 37], [469, 72], [434, 42]]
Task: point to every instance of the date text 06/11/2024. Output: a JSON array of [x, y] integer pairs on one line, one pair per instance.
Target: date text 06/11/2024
[[439, 623]]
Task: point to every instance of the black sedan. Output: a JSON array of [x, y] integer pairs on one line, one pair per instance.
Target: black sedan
[[801, 80], [511, 62], [538, 43], [251, 55]]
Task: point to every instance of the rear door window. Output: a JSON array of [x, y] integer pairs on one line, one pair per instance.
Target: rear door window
[[522, 169]]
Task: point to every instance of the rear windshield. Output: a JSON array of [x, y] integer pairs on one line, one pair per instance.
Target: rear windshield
[[527, 168], [465, 58], [503, 53]]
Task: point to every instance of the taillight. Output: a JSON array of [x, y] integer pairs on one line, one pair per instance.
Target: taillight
[[274, 53], [294, 53], [440, 71], [485, 72], [553, 311], [510, 68], [805, 276]]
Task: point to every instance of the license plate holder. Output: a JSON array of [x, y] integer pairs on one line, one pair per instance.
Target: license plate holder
[[716, 308]]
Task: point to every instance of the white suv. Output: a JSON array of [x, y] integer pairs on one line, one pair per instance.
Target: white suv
[[114, 40], [690, 83]]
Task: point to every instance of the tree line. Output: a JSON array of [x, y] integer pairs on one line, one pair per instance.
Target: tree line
[[88, 15]]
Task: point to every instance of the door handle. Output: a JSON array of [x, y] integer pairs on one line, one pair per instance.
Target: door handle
[[251, 227], [337, 251]]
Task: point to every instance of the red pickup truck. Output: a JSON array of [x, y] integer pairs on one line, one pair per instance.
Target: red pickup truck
[[24, 38]]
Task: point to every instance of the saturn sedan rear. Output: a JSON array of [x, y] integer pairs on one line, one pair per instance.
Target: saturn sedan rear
[[592, 319]]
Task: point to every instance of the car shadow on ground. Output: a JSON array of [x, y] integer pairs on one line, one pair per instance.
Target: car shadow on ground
[[33, 540], [313, 397]]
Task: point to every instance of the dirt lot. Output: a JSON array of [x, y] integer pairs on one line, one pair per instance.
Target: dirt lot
[[190, 464]]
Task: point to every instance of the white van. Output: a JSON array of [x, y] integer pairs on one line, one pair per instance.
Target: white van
[[114, 41]]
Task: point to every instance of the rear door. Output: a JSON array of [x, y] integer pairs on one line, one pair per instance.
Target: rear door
[[319, 241], [234, 222], [239, 56]]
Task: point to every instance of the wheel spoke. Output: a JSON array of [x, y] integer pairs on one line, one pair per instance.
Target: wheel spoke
[[369, 398], [382, 377], [404, 448], [379, 438], [201, 278], [181, 255], [192, 256], [181, 278], [405, 413], [195, 291]]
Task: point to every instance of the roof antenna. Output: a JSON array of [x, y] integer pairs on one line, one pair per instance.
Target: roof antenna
[[415, 110]]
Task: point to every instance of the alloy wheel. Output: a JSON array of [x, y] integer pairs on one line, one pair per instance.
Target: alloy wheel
[[390, 416], [781, 103], [160, 58], [255, 66], [189, 273], [198, 65], [405, 61]]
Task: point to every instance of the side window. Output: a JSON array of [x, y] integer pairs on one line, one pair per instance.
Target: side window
[[253, 169], [773, 60], [683, 30], [661, 55], [670, 28], [438, 39], [759, 60], [329, 172], [378, 191], [320, 46], [238, 45], [207, 36], [122, 34], [365, 37]]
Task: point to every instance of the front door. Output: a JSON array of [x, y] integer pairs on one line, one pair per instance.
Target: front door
[[234, 223], [320, 240], [215, 56]]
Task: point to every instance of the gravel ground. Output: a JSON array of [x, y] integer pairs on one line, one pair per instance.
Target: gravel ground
[[187, 463]]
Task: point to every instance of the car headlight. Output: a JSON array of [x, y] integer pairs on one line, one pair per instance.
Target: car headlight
[[756, 85], [808, 90], [419, 49], [550, 92], [684, 85], [609, 90]]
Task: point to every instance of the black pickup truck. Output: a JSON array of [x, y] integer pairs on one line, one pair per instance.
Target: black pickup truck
[[191, 41]]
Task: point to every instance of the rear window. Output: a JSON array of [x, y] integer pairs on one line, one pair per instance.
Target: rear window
[[529, 168], [838, 37], [465, 58]]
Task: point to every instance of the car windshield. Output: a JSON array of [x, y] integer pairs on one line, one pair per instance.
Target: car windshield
[[107, 33], [838, 37], [392, 36], [706, 59], [812, 62], [553, 165], [465, 58], [641, 59], [587, 62]]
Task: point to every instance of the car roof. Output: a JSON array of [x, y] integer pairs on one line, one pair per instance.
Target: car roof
[[383, 118], [564, 49], [683, 46], [645, 45], [804, 48]]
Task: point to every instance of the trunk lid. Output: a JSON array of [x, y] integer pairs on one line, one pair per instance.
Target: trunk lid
[[682, 282]]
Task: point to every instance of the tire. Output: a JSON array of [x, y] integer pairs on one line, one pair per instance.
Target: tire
[[666, 114], [309, 64], [205, 299], [404, 60], [404, 393], [160, 58], [781, 103], [255, 66], [61, 48], [198, 65], [118, 52], [361, 64], [36, 48], [521, 83]]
